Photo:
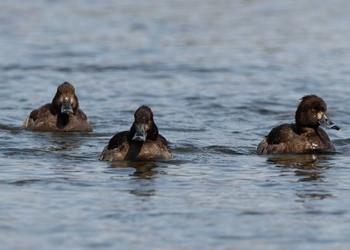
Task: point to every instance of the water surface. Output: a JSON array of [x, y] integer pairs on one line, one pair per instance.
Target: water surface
[[218, 76]]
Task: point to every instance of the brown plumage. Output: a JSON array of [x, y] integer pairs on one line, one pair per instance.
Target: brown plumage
[[62, 114], [141, 142], [305, 135]]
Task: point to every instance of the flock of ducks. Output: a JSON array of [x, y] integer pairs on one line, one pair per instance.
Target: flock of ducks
[[143, 141]]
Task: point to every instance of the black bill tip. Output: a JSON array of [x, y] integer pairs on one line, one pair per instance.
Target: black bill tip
[[335, 127]]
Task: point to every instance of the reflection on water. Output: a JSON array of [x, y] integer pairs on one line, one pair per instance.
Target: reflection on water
[[144, 173], [63, 145], [302, 162], [308, 168], [67, 141], [218, 74], [309, 175], [313, 194], [143, 170]]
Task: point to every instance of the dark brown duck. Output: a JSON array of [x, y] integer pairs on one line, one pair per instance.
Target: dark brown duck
[[141, 142], [303, 136], [62, 114]]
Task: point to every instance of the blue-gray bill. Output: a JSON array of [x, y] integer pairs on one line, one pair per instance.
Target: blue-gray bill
[[66, 107], [327, 122]]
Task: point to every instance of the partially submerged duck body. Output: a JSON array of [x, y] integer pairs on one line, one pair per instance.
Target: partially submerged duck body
[[62, 114], [141, 142], [303, 136]]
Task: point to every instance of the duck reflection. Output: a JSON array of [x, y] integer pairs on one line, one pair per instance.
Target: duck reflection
[[143, 170], [308, 168], [63, 146], [143, 181], [64, 141]]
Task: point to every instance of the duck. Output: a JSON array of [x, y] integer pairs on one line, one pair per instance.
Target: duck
[[141, 143], [305, 136], [61, 115]]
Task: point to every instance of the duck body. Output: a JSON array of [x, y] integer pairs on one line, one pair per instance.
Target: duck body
[[288, 138], [141, 142], [62, 114], [303, 136]]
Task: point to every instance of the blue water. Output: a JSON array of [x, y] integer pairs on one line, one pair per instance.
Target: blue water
[[218, 76]]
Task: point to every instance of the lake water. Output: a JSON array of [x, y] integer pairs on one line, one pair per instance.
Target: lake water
[[218, 76]]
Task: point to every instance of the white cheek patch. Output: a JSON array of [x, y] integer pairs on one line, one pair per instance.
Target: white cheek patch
[[319, 115]]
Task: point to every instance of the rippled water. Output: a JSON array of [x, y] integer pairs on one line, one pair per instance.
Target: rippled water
[[218, 76]]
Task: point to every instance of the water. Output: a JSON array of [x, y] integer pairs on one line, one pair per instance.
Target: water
[[218, 76]]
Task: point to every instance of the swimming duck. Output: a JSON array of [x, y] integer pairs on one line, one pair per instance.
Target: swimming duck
[[62, 114], [303, 136], [141, 142]]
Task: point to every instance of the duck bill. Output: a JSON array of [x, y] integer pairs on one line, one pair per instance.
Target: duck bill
[[327, 122], [66, 107], [140, 134]]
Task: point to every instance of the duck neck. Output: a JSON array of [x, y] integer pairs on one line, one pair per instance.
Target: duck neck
[[302, 128], [62, 120]]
